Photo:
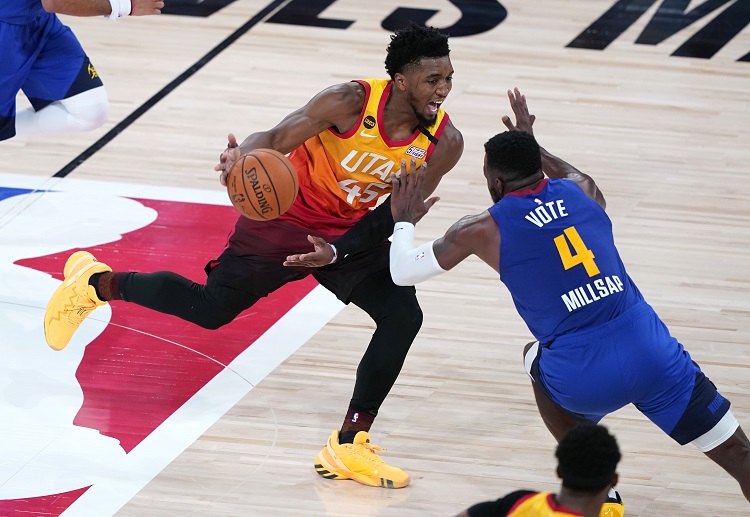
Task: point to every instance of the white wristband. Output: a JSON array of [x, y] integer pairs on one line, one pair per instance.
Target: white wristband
[[120, 8], [410, 265], [335, 253]]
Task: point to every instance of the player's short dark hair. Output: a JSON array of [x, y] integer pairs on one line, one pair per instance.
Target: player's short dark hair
[[514, 155], [587, 458], [410, 45]]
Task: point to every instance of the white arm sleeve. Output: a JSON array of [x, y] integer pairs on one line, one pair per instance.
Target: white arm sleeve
[[410, 265]]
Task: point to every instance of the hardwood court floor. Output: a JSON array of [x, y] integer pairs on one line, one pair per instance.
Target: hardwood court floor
[[664, 136]]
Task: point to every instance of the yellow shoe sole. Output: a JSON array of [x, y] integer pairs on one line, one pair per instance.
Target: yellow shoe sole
[[324, 469]]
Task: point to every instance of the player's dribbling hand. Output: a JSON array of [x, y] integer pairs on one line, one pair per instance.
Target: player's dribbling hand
[[145, 7], [322, 256], [524, 121], [407, 199], [226, 159]]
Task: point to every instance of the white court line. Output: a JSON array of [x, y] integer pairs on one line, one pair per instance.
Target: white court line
[[132, 190], [190, 421], [110, 492]]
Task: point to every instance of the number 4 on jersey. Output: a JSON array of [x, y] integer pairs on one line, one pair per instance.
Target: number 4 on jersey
[[583, 255]]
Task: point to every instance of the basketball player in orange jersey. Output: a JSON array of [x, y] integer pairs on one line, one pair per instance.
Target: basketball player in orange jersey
[[345, 143], [587, 458]]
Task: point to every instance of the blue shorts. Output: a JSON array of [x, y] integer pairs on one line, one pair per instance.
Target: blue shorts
[[631, 359], [45, 60]]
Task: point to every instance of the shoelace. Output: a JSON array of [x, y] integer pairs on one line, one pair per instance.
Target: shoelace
[[79, 309], [373, 458]]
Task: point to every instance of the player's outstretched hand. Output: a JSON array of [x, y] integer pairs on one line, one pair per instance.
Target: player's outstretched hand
[[407, 199], [322, 256], [524, 121], [145, 7], [226, 159]]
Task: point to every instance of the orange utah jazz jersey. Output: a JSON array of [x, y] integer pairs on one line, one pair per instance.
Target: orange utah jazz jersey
[[541, 504], [341, 176]]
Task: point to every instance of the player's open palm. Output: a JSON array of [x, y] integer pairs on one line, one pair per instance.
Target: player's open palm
[[145, 7], [321, 256], [407, 200], [524, 120]]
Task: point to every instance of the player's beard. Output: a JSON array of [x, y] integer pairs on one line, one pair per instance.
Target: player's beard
[[421, 119], [495, 193]]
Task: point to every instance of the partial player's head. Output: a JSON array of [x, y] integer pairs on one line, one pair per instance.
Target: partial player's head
[[418, 62], [587, 459], [510, 158]]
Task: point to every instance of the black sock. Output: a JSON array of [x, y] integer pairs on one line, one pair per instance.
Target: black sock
[[94, 281], [347, 436]]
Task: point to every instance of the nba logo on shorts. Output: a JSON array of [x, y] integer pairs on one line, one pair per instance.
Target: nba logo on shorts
[[416, 152]]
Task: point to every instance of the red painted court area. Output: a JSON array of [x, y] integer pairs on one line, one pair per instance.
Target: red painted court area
[[145, 365]]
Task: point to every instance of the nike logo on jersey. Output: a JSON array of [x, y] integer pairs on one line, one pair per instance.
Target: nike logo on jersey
[[364, 133]]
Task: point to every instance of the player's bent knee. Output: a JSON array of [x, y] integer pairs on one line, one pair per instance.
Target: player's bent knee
[[719, 434], [409, 322], [405, 314], [89, 109]]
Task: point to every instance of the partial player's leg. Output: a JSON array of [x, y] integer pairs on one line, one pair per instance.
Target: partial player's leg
[[234, 284], [708, 423], [559, 421], [63, 87], [733, 455], [683, 402], [19, 51], [398, 317]]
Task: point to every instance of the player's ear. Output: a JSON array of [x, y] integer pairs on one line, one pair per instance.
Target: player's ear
[[399, 80], [499, 185]]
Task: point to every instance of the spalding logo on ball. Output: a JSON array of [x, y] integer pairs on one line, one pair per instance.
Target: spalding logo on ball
[[262, 184]]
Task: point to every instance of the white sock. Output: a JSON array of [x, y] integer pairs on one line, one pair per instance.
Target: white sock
[[82, 112]]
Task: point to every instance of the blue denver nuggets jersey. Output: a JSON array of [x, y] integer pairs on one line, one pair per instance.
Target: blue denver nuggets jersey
[[559, 261], [20, 11]]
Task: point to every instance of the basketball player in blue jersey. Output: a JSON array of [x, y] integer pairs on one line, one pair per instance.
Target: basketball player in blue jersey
[[599, 346], [43, 58]]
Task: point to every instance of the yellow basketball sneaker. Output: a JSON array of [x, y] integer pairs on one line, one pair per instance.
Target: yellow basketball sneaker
[[73, 300], [358, 461]]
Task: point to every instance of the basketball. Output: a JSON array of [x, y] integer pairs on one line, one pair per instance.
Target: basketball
[[262, 184]]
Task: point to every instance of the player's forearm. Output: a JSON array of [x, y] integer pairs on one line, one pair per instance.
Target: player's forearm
[[555, 167], [78, 7], [271, 139], [370, 231], [410, 265], [260, 140]]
